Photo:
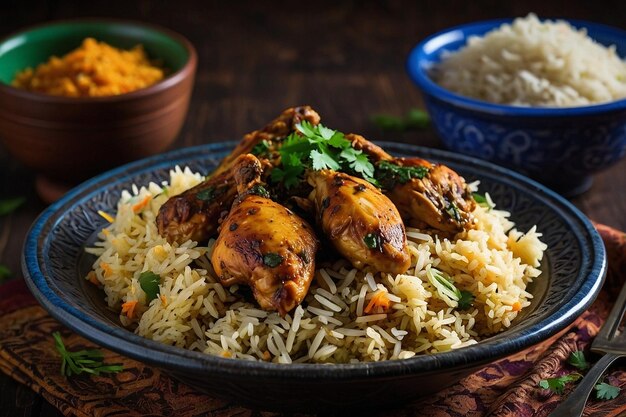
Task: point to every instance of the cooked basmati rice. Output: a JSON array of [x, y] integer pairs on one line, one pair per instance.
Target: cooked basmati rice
[[534, 63], [193, 310]]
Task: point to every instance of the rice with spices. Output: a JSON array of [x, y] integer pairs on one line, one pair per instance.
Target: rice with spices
[[347, 316]]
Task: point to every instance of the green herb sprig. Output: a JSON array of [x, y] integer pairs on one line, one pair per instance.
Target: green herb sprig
[[389, 174], [603, 390], [460, 299], [88, 361], [415, 119], [318, 147], [557, 384], [149, 282], [9, 205]]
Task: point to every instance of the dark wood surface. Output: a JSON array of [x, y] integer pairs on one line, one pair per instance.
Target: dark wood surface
[[257, 58]]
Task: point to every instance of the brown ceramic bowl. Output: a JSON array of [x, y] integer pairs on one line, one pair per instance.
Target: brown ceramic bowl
[[70, 139]]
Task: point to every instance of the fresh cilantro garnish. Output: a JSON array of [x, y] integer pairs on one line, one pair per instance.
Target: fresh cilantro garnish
[[10, 205], [447, 291], [206, 194], [453, 212], [557, 384], [389, 174], [481, 200], [466, 300], [89, 361], [577, 360], [372, 241], [318, 147], [413, 120], [606, 391], [272, 259], [149, 282], [259, 190], [5, 273], [261, 148]]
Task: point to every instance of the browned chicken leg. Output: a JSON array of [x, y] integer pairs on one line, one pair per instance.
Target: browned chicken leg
[[263, 244], [194, 214], [276, 130], [440, 199], [363, 224]]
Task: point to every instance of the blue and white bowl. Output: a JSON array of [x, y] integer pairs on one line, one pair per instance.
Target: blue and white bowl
[[560, 147]]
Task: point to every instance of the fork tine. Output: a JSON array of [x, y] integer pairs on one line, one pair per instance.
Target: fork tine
[[612, 322]]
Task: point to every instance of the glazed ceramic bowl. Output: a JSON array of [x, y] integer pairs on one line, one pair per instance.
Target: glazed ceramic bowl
[[55, 264], [560, 147], [72, 139]]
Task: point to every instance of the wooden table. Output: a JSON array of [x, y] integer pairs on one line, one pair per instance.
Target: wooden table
[[346, 60]]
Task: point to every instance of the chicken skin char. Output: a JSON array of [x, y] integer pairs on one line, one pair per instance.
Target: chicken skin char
[[441, 200], [264, 245], [362, 224]]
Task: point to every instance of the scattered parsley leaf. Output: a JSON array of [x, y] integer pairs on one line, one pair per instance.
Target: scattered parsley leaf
[[272, 259], [372, 241], [5, 273], [261, 148], [466, 300], [321, 160], [481, 200], [206, 194], [318, 147], [259, 190], [149, 282], [89, 361], [557, 384], [9, 205], [389, 174], [453, 212], [445, 287], [577, 360], [415, 119], [606, 391]]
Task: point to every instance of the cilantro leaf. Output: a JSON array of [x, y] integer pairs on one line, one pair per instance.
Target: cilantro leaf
[[318, 147], [606, 391], [261, 148], [557, 385], [322, 160], [272, 259], [453, 212], [466, 300], [415, 119], [481, 200], [9, 205], [325, 132], [577, 359], [149, 282], [389, 174], [372, 240]]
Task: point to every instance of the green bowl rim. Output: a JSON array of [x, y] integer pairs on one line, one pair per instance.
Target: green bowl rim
[[175, 78]]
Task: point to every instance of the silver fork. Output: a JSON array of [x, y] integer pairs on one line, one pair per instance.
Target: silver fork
[[608, 341]]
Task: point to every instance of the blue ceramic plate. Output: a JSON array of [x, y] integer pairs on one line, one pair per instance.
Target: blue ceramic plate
[[54, 265]]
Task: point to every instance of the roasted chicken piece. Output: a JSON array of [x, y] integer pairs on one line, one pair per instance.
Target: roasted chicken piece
[[441, 199], [263, 244], [194, 214], [362, 224], [275, 131]]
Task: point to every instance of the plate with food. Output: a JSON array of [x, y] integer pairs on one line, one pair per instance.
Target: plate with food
[[306, 261]]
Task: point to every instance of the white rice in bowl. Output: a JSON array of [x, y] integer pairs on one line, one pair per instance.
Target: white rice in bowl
[[534, 63], [347, 316]]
